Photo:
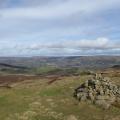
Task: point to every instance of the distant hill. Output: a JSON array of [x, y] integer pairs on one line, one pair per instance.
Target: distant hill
[[116, 67], [12, 66], [77, 61], [9, 68]]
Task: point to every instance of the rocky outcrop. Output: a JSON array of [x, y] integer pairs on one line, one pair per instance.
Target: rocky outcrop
[[99, 91]]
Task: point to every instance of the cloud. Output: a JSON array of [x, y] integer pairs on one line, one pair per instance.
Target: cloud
[[62, 9], [45, 12], [64, 27], [98, 44]]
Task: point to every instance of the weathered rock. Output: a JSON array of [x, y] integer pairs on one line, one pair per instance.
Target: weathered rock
[[84, 97], [102, 103], [71, 117], [99, 91]]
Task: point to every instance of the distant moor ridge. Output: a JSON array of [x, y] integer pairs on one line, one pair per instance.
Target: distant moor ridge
[[77, 61]]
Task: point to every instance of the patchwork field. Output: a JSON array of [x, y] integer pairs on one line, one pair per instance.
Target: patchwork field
[[35, 98]]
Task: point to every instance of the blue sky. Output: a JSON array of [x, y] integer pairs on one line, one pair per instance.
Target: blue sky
[[59, 27]]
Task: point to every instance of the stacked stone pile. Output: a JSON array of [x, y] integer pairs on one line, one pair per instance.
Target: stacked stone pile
[[99, 91]]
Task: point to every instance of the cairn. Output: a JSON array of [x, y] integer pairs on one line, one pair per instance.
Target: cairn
[[99, 91]]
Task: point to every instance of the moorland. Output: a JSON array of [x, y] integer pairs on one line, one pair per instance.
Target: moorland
[[41, 88]]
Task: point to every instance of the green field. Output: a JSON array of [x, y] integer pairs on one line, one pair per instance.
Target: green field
[[38, 100]]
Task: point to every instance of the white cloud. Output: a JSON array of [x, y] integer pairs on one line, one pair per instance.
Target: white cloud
[[98, 44], [62, 9], [34, 26]]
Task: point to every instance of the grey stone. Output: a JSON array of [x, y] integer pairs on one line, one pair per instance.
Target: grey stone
[[83, 98], [102, 103], [98, 90]]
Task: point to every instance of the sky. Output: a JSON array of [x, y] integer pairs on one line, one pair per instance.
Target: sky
[[59, 27]]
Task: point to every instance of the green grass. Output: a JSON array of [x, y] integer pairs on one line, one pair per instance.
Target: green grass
[[11, 102], [51, 92], [36, 100], [45, 70]]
